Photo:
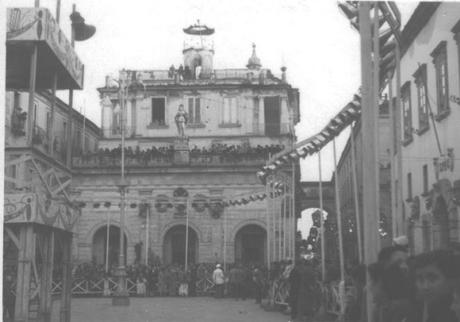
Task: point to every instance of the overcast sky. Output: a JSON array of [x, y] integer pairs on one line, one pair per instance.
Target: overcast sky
[[313, 39]]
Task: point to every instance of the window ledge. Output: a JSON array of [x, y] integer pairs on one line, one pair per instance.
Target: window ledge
[[229, 125], [157, 126], [407, 141], [441, 116], [196, 125], [423, 130]]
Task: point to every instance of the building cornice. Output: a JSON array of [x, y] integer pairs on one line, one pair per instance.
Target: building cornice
[[416, 23]]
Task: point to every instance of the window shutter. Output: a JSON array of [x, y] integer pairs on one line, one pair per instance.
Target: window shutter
[[197, 111]]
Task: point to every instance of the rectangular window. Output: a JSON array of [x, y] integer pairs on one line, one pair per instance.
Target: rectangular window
[[116, 117], [422, 98], [442, 83], [409, 185], [158, 111], [407, 112], [194, 110], [425, 178], [230, 111]]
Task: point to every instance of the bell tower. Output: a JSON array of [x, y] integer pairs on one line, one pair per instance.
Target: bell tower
[[198, 50]]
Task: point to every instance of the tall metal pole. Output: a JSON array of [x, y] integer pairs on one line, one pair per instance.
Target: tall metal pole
[[267, 218], [355, 197], [323, 244], [186, 236], [284, 213], [225, 241], [394, 225], [339, 228], [368, 132], [376, 107], [273, 217], [399, 196], [122, 296], [278, 211], [107, 243], [293, 210], [147, 231], [70, 110]]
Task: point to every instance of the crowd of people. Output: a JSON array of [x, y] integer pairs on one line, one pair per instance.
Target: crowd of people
[[425, 287], [165, 154], [235, 153], [137, 155]]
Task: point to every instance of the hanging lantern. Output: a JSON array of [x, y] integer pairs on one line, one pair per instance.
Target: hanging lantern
[[96, 205], [107, 204]]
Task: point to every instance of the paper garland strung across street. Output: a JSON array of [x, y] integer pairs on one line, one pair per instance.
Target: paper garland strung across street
[[313, 144]]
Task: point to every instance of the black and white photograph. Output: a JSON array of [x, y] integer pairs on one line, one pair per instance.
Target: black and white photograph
[[234, 161]]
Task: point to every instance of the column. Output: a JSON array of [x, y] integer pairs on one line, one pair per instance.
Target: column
[[47, 275], [66, 295], [261, 115], [284, 115], [25, 257]]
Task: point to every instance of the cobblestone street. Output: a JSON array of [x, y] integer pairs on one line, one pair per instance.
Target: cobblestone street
[[166, 309]]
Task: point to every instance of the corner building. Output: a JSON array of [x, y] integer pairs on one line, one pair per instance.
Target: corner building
[[236, 118]]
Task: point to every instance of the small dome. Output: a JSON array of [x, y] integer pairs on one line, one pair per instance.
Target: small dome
[[254, 61]]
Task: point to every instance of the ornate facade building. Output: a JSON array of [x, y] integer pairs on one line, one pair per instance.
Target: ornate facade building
[[195, 137], [427, 181]]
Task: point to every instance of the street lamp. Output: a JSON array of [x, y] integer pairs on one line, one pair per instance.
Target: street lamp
[[121, 296]]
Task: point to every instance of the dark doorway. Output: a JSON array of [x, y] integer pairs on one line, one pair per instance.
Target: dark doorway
[[250, 245], [100, 246], [272, 110], [174, 246]]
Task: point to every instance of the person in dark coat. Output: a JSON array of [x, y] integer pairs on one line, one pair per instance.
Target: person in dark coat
[[294, 286], [9, 298], [434, 274], [258, 282], [192, 281], [308, 295]]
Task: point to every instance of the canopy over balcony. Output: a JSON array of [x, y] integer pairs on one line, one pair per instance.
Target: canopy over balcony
[[26, 26]]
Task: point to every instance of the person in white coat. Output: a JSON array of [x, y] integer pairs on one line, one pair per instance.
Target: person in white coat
[[219, 280]]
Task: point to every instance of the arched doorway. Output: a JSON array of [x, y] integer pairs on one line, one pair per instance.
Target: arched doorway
[[251, 245], [174, 245], [100, 245]]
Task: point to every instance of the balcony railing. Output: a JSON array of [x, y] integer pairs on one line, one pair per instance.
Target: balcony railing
[[267, 129], [216, 155], [207, 159], [170, 77]]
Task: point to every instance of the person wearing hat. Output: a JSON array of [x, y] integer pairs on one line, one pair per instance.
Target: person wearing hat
[[219, 280]]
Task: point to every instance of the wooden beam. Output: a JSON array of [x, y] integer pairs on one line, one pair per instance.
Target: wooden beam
[[41, 177], [13, 236]]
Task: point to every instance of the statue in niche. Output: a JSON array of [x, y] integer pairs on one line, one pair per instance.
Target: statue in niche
[[181, 119]]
